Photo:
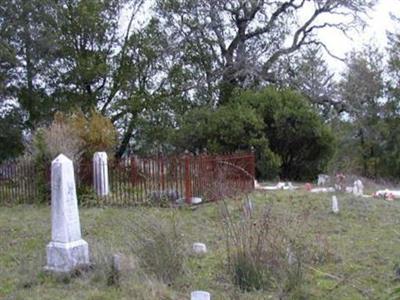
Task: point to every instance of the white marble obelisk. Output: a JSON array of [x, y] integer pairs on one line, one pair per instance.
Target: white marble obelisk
[[100, 173], [67, 250]]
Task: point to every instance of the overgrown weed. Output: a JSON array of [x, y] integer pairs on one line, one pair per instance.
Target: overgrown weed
[[268, 249], [159, 246]]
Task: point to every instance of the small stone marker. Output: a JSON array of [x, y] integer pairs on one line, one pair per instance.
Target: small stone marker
[[248, 207], [335, 204], [117, 262], [67, 250], [200, 295], [349, 189], [290, 256], [199, 248], [323, 179], [280, 185], [358, 189], [195, 200], [100, 173]]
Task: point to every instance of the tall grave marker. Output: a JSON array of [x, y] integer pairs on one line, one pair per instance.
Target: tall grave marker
[[100, 173], [67, 250]]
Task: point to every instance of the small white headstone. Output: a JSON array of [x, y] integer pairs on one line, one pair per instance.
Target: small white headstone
[[117, 262], [358, 188], [195, 200], [322, 179], [248, 207], [335, 204], [67, 250], [199, 248], [323, 190], [100, 173], [280, 185], [200, 295], [290, 256], [349, 189]]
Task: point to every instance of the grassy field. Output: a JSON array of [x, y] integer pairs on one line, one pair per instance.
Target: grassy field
[[363, 243]]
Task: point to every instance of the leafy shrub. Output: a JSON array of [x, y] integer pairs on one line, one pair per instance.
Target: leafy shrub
[[11, 136], [227, 129], [295, 132], [221, 130], [96, 131], [289, 138], [77, 136]]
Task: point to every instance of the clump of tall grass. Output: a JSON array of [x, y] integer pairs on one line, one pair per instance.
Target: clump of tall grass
[[265, 249], [159, 247]]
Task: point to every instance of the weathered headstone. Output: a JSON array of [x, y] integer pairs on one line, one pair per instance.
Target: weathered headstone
[[290, 186], [67, 250], [323, 179], [290, 256], [349, 189], [115, 272], [200, 295], [100, 173], [248, 207], [335, 204], [358, 188], [199, 248], [195, 200], [280, 185]]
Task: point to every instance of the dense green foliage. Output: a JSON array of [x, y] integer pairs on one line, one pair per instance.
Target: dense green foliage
[[11, 137], [289, 138], [295, 132]]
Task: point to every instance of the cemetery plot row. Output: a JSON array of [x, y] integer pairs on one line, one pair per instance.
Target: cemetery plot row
[[138, 180]]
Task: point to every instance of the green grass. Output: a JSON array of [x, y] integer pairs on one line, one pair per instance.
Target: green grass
[[363, 239]]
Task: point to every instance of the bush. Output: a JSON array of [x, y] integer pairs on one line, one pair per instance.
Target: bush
[[11, 135], [60, 137], [77, 136], [227, 129], [96, 131], [289, 138], [296, 135]]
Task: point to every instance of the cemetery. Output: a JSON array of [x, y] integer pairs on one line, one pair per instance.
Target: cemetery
[[199, 150]]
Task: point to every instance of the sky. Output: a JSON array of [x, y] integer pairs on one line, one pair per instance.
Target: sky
[[378, 23]]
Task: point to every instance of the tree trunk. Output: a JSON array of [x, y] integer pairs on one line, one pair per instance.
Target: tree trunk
[[126, 139]]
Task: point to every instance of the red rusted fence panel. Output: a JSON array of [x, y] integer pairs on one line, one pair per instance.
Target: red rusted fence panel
[[210, 177], [20, 182], [138, 180]]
